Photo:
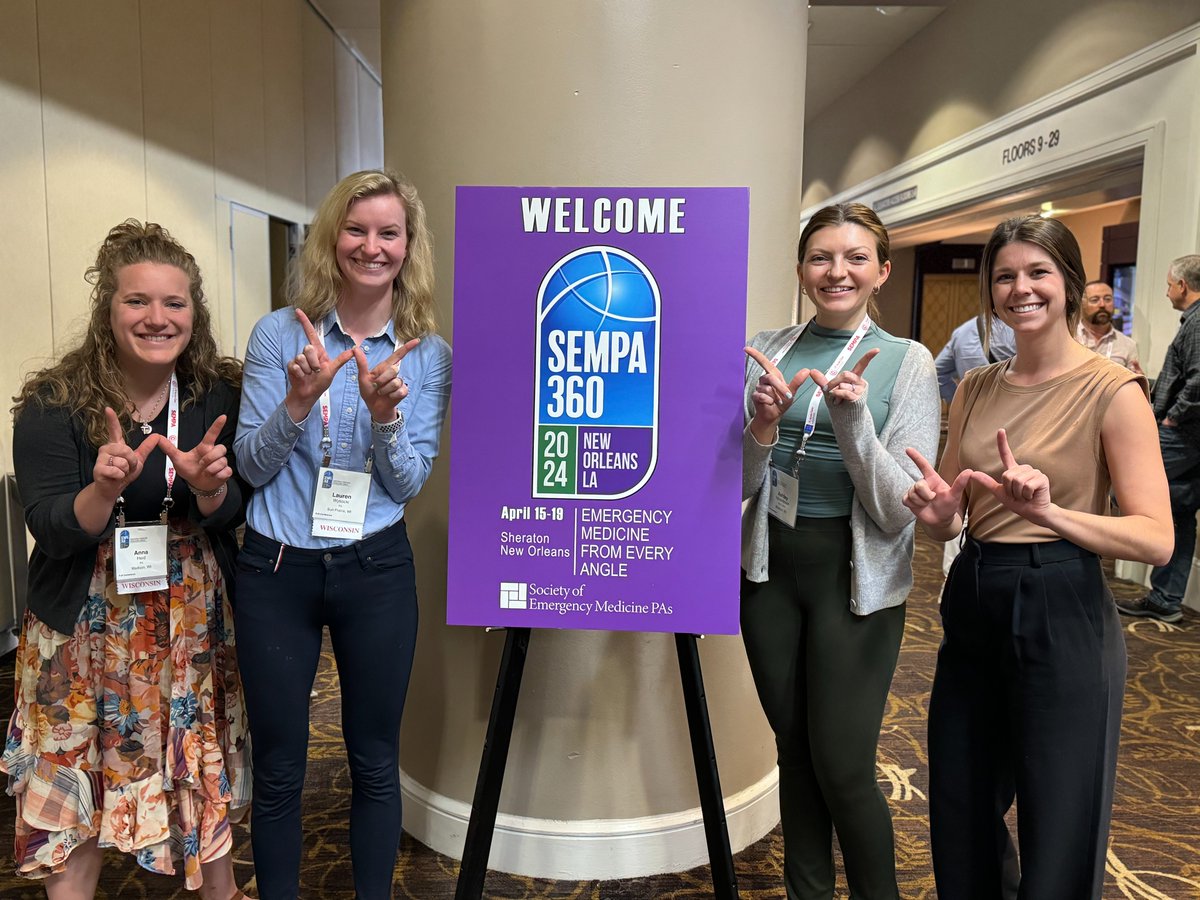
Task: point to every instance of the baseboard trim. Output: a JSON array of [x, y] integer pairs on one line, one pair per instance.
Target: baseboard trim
[[591, 848]]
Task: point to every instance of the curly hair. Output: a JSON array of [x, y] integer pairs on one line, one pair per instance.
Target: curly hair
[[315, 283], [88, 377], [849, 214], [1052, 236]]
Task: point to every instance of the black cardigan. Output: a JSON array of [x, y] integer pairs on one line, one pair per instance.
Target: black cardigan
[[54, 459]]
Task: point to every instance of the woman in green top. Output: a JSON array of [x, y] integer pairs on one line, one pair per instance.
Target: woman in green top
[[827, 550]]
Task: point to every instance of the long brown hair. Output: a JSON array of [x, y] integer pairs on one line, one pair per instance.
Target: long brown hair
[[88, 377], [315, 283], [849, 214]]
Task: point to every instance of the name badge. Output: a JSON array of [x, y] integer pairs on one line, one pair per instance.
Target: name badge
[[340, 504], [140, 558], [785, 494]]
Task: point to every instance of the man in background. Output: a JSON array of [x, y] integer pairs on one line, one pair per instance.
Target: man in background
[[964, 352], [1096, 331], [1177, 409]]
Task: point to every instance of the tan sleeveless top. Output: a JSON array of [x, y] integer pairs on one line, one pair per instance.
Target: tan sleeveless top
[[1053, 426]]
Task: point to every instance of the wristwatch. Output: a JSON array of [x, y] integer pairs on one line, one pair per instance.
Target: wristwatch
[[388, 428]]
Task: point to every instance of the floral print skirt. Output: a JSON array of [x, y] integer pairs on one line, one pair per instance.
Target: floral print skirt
[[132, 729]]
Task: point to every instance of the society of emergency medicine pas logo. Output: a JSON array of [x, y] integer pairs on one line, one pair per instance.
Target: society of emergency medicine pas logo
[[596, 396], [514, 595]]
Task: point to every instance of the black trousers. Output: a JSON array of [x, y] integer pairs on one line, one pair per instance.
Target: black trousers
[[1026, 702], [365, 593], [822, 675]]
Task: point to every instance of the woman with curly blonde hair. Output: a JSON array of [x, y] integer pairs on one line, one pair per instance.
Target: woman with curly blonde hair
[[129, 729], [342, 413]]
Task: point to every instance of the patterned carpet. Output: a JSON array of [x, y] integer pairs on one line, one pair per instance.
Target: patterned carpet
[[1154, 855]]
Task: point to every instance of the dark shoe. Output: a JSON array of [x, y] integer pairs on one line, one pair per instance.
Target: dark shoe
[[1144, 606]]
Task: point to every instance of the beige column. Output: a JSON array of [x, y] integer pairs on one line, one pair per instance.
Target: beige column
[[608, 92]]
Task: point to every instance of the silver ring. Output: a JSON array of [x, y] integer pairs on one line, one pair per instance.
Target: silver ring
[[112, 460]]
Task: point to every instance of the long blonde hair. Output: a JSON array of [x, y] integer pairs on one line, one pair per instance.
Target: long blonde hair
[[88, 377], [316, 282]]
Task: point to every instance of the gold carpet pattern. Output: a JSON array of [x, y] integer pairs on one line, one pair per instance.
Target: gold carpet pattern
[[1154, 852]]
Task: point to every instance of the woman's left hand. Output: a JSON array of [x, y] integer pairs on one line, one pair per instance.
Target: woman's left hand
[[383, 388], [847, 385], [1021, 488], [206, 466]]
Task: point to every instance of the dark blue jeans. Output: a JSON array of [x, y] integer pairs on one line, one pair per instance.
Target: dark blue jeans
[[366, 595], [1181, 458]]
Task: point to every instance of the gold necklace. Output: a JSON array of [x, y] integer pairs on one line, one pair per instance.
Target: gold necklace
[[145, 419]]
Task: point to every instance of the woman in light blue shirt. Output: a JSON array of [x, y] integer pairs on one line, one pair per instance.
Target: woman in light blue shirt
[[343, 402]]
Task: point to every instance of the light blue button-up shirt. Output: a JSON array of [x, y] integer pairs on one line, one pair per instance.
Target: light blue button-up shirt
[[280, 457]]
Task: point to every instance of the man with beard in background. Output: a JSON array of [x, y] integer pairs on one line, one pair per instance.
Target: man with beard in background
[[1096, 331]]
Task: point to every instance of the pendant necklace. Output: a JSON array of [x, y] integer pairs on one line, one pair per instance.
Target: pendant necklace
[[144, 419]]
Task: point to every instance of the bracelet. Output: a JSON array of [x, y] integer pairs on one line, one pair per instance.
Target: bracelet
[[207, 495], [388, 427]]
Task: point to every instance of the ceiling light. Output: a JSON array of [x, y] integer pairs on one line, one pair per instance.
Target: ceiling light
[[889, 10]]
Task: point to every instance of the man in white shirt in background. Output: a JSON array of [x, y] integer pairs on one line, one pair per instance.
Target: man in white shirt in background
[[1096, 331]]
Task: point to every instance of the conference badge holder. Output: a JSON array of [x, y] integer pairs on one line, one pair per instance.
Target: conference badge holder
[[140, 552], [784, 496], [340, 503]]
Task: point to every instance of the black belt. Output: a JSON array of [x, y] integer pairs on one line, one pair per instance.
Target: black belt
[[1032, 554]]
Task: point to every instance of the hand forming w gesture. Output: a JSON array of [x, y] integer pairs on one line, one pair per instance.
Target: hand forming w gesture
[[382, 387], [847, 385], [206, 466], [117, 464], [1021, 488], [931, 499], [311, 371], [773, 396]]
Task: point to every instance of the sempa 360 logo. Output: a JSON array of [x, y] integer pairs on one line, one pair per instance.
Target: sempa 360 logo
[[596, 398]]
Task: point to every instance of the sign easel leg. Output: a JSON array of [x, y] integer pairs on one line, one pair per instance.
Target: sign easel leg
[[478, 846], [716, 831]]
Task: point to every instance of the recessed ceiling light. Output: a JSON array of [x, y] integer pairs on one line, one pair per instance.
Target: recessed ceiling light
[[889, 10]]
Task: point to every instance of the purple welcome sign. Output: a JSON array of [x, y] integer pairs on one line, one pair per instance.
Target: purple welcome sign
[[595, 466]]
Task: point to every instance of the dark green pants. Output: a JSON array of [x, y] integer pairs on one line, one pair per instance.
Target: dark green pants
[[822, 675]]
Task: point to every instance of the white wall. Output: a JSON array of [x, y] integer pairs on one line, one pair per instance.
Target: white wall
[[170, 111]]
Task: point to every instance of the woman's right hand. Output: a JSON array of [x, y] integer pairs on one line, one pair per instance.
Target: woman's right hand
[[117, 464], [772, 397], [934, 502], [310, 372]]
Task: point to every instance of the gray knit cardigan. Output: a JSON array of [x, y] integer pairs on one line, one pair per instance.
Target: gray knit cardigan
[[881, 527]]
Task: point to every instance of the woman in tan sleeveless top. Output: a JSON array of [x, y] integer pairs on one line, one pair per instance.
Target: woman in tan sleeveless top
[[1027, 694]]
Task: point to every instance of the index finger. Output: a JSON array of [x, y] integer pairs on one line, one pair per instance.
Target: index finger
[[762, 360], [116, 433], [927, 470], [309, 331], [400, 352], [1006, 456], [214, 430], [861, 365]]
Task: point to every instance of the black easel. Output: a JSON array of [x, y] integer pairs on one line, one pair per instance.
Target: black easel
[[495, 756]]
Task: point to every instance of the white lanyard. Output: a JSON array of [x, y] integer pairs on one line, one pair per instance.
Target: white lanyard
[[173, 437], [810, 418]]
